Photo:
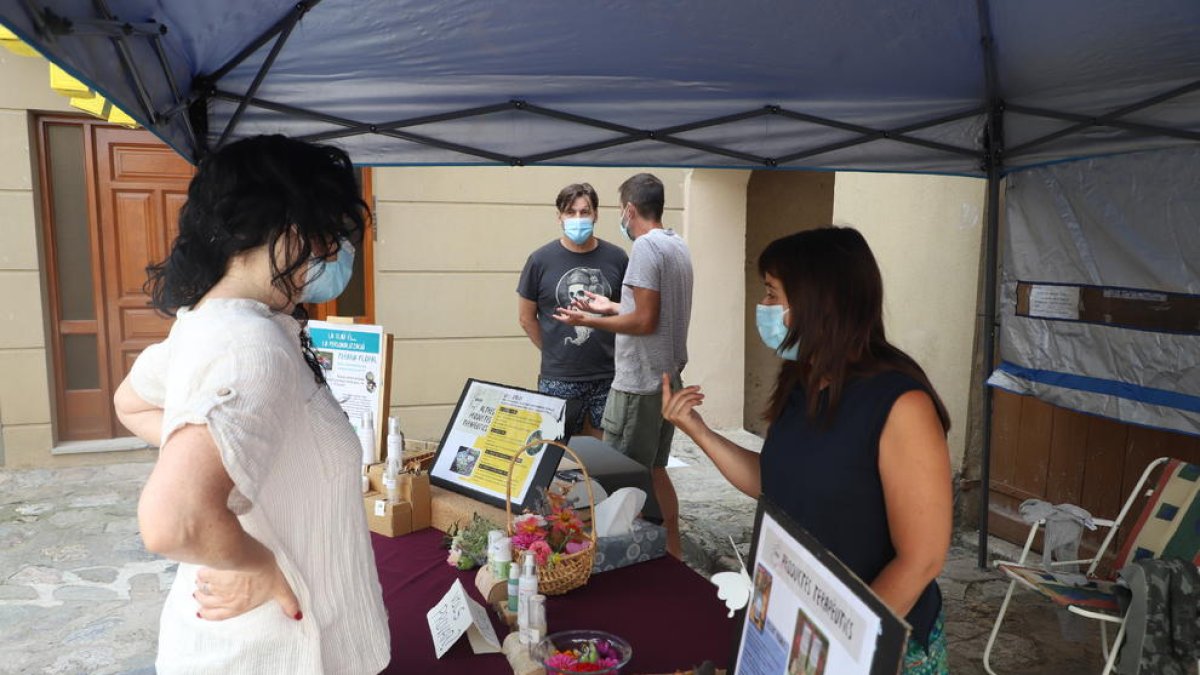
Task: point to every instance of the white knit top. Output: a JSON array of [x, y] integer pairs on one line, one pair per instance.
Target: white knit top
[[294, 459]]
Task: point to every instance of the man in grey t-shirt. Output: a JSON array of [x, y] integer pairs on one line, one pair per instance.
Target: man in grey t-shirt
[[651, 323]]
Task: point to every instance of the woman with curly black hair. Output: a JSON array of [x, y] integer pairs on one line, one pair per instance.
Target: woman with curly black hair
[[256, 491]]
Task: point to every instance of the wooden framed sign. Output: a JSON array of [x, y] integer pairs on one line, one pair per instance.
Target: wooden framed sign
[[491, 423], [808, 613]]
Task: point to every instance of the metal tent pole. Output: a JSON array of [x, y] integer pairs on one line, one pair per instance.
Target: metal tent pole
[[992, 163]]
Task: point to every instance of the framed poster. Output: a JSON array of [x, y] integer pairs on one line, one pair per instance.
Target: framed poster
[[490, 424], [808, 613], [355, 359]]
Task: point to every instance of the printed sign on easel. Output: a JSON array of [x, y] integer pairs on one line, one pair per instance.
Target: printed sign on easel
[[356, 360], [456, 613]]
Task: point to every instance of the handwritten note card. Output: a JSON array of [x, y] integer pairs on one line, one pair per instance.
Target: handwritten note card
[[457, 613]]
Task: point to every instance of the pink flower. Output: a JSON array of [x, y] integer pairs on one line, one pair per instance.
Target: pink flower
[[562, 661], [454, 556], [577, 546], [523, 541], [541, 551], [530, 523]]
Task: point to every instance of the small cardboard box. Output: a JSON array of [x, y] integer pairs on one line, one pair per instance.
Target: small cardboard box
[[415, 489], [390, 520], [646, 541]]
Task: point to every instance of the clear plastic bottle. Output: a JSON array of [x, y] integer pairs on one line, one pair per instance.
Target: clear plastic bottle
[[527, 587], [537, 619]]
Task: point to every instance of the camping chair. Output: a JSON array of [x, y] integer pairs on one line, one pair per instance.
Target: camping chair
[[1165, 527]]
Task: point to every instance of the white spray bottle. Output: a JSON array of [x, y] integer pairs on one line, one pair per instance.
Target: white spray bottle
[[366, 438], [395, 459]]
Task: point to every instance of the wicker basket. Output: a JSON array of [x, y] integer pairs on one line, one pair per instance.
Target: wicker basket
[[572, 570]]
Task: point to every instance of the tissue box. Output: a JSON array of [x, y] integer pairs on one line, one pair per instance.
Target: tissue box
[[645, 541], [390, 520]]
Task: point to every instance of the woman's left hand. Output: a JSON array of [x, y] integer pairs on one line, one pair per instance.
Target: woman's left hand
[[224, 594]]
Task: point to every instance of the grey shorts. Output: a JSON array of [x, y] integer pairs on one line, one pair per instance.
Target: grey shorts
[[633, 424]]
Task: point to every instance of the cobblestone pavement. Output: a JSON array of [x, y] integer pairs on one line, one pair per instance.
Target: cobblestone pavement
[[79, 593]]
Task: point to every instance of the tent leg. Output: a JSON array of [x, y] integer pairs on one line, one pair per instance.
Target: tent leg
[[991, 255]]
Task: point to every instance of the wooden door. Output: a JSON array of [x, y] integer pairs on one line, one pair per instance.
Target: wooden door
[[110, 202], [140, 184]]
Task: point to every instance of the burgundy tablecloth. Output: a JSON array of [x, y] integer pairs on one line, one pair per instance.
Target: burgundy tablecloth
[[670, 614]]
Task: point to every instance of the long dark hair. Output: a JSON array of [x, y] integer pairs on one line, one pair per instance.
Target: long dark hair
[[267, 190], [835, 299]]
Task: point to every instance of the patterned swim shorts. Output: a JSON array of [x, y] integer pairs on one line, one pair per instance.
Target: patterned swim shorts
[[932, 661], [592, 393]]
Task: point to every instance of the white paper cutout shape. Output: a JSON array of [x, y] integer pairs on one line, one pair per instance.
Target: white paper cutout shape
[[734, 587]]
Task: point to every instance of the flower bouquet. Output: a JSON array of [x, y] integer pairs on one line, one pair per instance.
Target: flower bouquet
[[468, 545], [549, 536], [556, 538], [583, 651]]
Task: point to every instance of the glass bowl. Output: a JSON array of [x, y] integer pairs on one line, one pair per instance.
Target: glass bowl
[[611, 649]]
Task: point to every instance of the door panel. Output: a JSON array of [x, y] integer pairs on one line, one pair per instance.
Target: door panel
[[141, 185]]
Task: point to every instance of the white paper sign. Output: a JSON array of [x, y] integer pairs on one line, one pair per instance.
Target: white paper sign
[[352, 358], [1054, 302], [457, 613], [807, 613]]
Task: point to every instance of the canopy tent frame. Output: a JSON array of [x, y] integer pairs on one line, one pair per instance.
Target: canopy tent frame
[[991, 154]]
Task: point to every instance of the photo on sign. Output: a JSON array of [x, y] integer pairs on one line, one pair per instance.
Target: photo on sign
[[762, 597], [325, 359], [808, 613], [464, 461], [809, 648], [486, 441]]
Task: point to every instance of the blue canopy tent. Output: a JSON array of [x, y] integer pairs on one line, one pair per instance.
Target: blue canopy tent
[[935, 86]]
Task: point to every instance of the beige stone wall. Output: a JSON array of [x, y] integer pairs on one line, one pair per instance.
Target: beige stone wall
[[452, 242], [925, 232], [26, 387], [715, 230], [25, 390], [778, 203]]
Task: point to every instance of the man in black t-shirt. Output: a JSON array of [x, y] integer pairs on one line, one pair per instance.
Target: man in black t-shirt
[[577, 362]]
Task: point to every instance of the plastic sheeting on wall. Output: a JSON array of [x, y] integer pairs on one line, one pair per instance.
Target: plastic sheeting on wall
[[1128, 224]]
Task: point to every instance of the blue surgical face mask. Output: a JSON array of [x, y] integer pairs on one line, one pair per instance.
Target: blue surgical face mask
[[624, 223], [326, 279], [578, 230], [773, 330]]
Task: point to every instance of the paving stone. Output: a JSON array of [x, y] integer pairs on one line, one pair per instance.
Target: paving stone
[[66, 553], [123, 526], [36, 574], [84, 593], [92, 501], [70, 518], [100, 575], [17, 592], [35, 509]]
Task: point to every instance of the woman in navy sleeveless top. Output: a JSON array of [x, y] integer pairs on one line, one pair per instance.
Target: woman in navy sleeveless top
[[856, 452]]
